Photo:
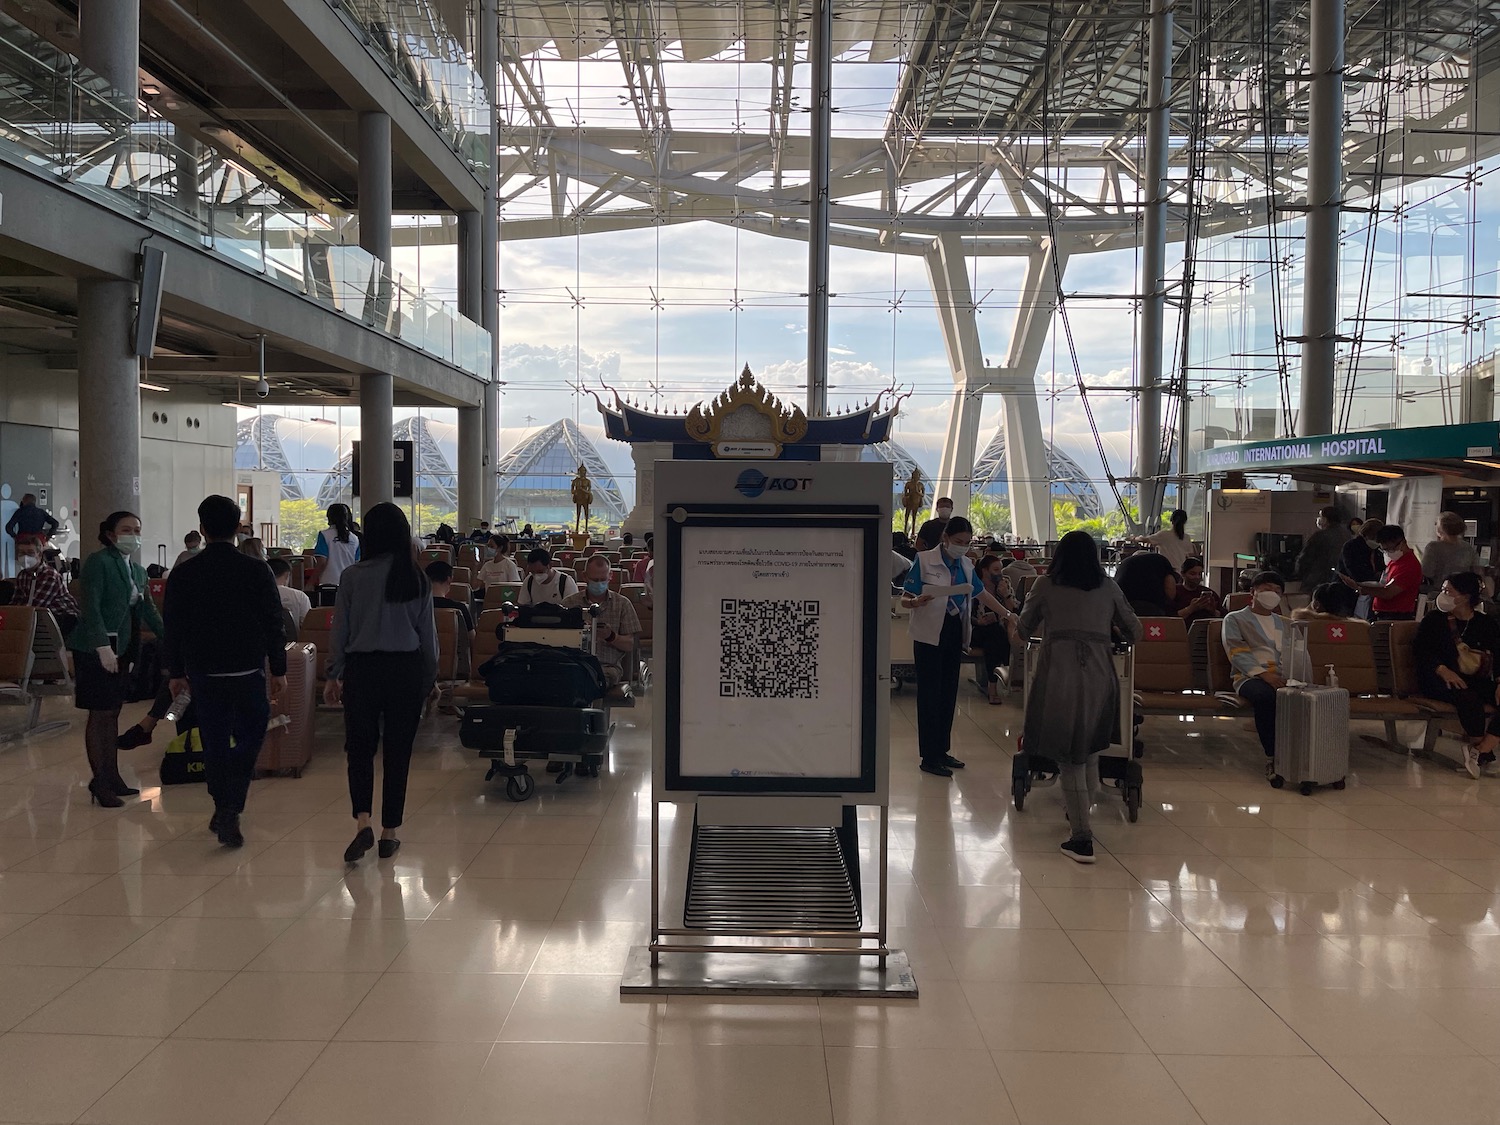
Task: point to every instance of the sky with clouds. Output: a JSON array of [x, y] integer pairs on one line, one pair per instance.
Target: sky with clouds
[[669, 315]]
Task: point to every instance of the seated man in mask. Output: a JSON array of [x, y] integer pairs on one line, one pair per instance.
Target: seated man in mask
[[615, 627]]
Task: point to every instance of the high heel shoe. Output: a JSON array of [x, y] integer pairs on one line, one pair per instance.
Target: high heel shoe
[[100, 793], [120, 789]]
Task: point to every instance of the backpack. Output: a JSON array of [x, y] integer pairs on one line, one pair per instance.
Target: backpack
[[543, 676]]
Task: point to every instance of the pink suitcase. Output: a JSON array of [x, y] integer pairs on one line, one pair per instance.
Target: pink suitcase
[[289, 738]]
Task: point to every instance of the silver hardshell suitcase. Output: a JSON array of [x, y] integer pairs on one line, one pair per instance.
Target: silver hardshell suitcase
[[1312, 737]]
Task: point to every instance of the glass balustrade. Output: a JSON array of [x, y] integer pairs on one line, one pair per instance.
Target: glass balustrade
[[60, 119], [432, 66]]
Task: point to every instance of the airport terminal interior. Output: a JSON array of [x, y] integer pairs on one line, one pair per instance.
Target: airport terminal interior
[[828, 428]]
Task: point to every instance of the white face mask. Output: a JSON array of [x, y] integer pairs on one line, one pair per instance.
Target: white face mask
[[945, 513], [29, 561], [955, 551], [1267, 599], [1446, 602], [1392, 556], [1322, 524]]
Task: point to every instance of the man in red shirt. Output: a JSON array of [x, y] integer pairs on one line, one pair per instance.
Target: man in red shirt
[[1395, 592]]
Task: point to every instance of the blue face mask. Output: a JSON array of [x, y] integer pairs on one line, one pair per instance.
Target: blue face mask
[[598, 589]]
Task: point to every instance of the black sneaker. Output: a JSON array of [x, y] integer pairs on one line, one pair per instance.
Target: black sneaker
[[936, 769], [229, 830], [213, 822], [1079, 851], [953, 763], [363, 841], [387, 847]]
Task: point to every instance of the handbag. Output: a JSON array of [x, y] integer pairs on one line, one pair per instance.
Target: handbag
[[183, 762], [1470, 661]]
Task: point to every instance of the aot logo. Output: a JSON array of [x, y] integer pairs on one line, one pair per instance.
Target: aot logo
[[753, 482]]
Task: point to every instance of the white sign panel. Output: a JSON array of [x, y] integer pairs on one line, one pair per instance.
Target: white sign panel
[[772, 635]]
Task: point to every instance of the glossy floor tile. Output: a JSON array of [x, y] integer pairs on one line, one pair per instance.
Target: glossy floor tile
[[1241, 954]]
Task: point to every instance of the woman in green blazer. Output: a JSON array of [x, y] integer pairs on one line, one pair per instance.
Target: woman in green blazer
[[114, 606]]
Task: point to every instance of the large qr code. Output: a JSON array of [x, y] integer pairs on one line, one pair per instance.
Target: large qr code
[[768, 649]]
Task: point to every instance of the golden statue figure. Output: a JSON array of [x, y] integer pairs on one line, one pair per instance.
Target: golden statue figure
[[583, 498], [913, 497]]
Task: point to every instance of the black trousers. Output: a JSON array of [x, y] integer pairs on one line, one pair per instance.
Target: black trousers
[[231, 708], [994, 640], [1470, 704], [938, 668], [383, 697], [1262, 697]]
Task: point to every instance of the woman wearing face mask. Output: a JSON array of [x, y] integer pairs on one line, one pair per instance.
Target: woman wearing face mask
[[1455, 652], [940, 631], [192, 547], [990, 634], [382, 667], [105, 641]]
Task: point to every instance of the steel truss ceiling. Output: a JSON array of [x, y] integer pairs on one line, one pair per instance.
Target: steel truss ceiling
[[1009, 123]]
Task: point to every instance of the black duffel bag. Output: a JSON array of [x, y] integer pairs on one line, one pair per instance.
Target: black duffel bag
[[543, 676]]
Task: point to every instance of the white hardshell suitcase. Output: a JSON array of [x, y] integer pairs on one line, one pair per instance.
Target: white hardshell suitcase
[[1312, 737]]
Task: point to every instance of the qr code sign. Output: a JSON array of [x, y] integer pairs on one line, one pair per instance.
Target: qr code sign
[[768, 649]]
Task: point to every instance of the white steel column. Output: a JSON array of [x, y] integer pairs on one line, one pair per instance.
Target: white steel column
[[1026, 469], [1015, 382], [954, 299], [1325, 168], [1149, 440]]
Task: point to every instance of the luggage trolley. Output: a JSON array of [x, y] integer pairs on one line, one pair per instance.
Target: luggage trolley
[[1117, 762], [571, 740]]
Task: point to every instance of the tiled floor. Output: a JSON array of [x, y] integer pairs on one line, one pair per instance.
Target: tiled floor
[[1240, 955]]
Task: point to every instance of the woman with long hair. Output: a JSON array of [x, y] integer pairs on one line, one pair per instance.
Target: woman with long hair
[[1074, 699], [382, 667], [1171, 542], [105, 642], [338, 545]]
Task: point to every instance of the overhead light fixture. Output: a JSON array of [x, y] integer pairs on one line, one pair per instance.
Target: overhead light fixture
[[1486, 464], [1367, 472], [145, 386], [236, 405]]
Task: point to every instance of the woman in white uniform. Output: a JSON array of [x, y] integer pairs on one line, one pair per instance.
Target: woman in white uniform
[[940, 636], [1172, 542]]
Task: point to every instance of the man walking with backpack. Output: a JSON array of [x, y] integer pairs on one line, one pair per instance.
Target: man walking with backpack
[[223, 619]]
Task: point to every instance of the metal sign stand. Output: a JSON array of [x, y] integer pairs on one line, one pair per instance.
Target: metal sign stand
[[772, 725]]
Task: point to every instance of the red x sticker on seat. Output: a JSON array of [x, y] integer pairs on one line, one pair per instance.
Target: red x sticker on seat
[[1336, 633], [1155, 632]]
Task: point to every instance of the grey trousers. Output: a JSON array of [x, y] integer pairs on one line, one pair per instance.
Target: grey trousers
[[1079, 784]]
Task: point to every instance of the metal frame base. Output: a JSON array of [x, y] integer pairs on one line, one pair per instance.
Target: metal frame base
[[756, 974]]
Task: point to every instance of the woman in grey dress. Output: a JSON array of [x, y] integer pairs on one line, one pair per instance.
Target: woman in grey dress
[[1074, 699]]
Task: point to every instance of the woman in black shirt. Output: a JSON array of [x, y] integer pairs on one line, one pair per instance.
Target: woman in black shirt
[[1455, 653]]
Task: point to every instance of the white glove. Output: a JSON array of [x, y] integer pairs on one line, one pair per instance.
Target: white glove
[[108, 659]]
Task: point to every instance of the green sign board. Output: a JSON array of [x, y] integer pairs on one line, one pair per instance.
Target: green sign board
[[1426, 443]]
